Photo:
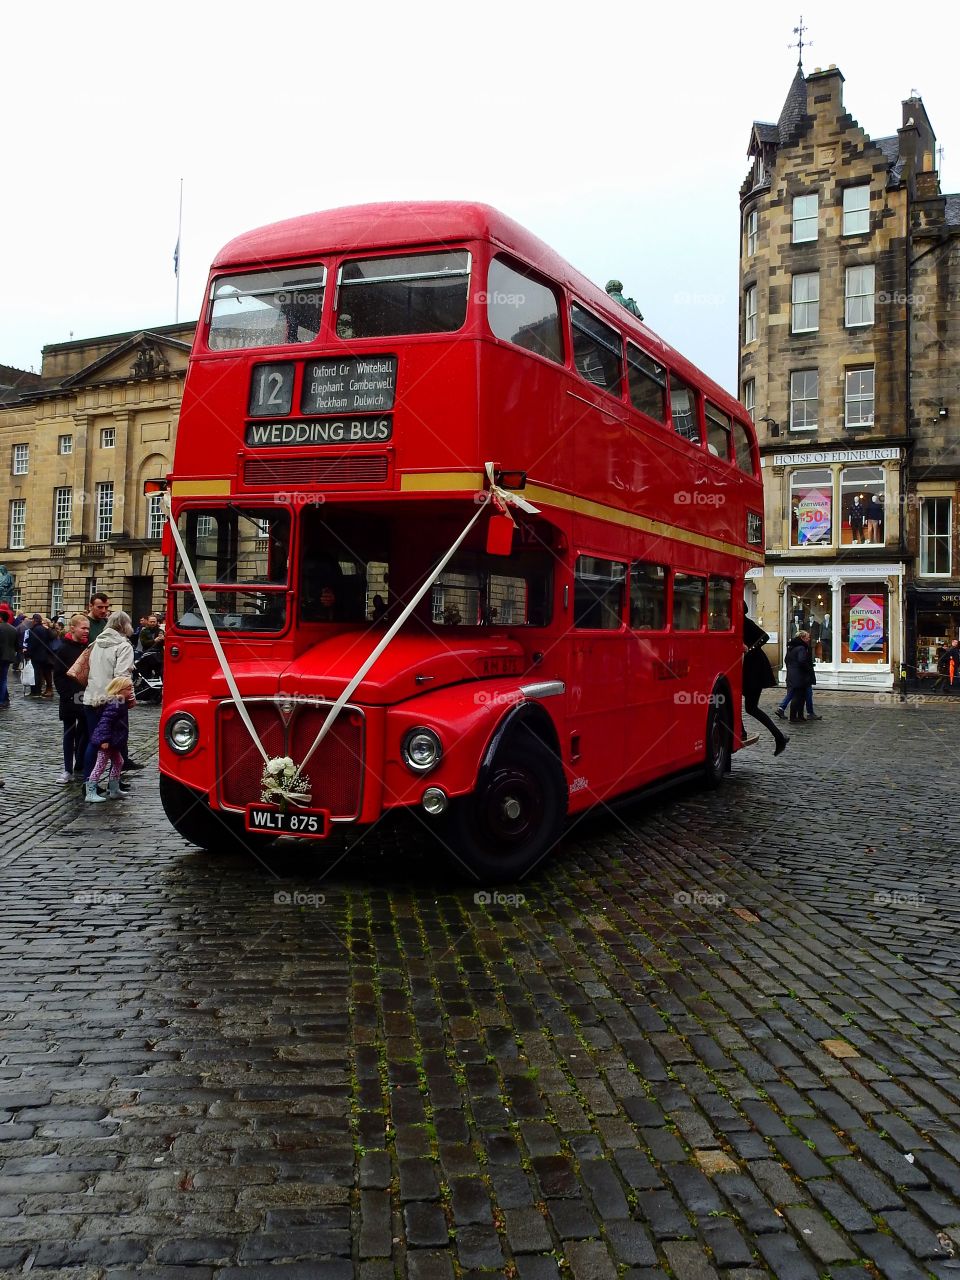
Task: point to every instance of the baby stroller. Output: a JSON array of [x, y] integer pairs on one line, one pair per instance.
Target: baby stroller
[[148, 676]]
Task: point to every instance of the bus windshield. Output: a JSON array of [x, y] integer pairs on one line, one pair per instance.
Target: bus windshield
[[357, 568], [233, 549], [266, 309]]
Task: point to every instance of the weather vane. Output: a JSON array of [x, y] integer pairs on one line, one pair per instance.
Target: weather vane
[[798, 32]]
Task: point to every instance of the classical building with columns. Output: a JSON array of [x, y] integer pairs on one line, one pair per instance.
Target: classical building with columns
[[849, 260], [77, 442]]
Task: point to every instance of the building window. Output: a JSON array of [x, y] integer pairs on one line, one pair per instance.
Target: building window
[[811, 508], [750, 398], [860, 290], [18, 524], [56, 599], [62, 516], [806, 303], [597, 350], [21, 459], [856, 210], [689, 595], [862, 492], [108, 437], [804, 399], [864, 623], [804, 218], [750, 314], [753, 222], [104, 510], [65, 444], [598, 594], [810, 610], [683, 409], [156, 516], [936, 516], [858, 400], [648, 384]]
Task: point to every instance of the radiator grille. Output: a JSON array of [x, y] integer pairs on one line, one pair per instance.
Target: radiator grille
[[335, 769], [346, 468]]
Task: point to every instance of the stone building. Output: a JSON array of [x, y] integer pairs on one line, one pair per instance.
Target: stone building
[[846, 367], [78, 440]]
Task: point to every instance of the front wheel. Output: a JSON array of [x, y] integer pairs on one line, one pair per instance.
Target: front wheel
[[719, 733], [514, 818], [191, 817]]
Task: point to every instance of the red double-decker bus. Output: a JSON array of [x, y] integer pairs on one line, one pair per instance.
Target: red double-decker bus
[[353, 374]]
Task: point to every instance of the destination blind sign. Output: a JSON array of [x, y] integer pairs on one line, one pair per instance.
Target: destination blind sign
[[363, 384], [326, 431]]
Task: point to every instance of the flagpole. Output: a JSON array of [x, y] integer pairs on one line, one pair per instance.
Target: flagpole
[[176, 257]]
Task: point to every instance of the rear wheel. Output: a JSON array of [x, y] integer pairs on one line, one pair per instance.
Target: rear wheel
[[191, 816], [719, 734], [514, 818]]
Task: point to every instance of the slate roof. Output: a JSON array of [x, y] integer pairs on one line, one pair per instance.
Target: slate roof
[[952, 210], [766, 132], [794, 109]]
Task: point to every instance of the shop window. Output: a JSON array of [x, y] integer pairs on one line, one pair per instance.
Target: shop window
[[598, 593], [720, 600], [861, 506], [864, 625], [810, 610], [935, 536], [811, 508], [936, 632], [689, 594], [648, 596]]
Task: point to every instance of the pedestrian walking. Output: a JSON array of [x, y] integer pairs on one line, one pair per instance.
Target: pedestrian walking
[[40, 651], [757, 676], [800, 673], [9, 652], [109, 740], [111, 657], [98, 613], [942, 682], [70, 691]]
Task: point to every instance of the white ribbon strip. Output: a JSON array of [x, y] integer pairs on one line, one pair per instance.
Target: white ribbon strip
[[506, 498], [211, 629]]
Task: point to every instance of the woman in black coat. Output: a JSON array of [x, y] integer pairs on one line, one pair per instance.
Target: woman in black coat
[[757, 676], [800, 674]]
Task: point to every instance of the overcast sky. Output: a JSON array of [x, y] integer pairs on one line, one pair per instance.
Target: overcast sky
[[616, 132]]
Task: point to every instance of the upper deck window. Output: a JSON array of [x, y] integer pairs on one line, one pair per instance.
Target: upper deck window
[[718, 431], [523, 311], [683, 407], [266, 308], [597, 350], [424, 293], [648, 383]]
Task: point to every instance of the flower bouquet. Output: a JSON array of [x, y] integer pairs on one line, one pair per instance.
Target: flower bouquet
[[282, 781]]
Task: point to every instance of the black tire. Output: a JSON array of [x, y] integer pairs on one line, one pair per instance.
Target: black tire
[[718, 741], [191, 817], [515, 817]]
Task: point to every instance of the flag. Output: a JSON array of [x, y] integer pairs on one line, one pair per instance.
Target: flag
[[176, 258]]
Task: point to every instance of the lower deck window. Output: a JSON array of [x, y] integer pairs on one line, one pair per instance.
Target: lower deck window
[[648, 597], [689, 593], [598, 593]]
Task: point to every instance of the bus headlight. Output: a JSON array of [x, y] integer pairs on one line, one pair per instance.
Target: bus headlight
[[182, 733], [421, 750]]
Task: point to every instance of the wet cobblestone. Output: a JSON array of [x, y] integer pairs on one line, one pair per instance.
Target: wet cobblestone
[[717, 1036]]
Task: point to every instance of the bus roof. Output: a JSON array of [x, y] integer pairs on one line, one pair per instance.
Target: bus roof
[[394, 225]]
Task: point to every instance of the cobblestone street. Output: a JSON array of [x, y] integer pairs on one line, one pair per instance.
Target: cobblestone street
[[718, 1035]]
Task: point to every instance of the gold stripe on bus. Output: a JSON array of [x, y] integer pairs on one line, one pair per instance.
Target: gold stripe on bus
[[452, 481], [201, 488], [474, 481]]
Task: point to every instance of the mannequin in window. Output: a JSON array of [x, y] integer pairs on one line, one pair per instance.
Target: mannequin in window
[[826, 639], [857, 517], [874, 517]]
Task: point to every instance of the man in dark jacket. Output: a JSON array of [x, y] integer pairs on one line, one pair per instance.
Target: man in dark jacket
[[757, 676], [799, 664], [40, 653], [67, 651], [9, 652]]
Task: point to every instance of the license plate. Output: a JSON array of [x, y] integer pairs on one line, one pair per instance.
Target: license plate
[[268, 818]]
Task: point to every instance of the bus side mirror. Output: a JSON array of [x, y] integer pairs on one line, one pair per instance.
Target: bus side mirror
[[500, 536]]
